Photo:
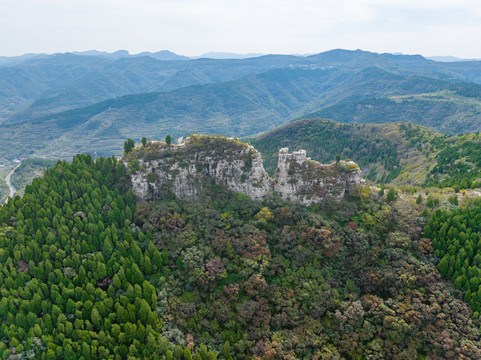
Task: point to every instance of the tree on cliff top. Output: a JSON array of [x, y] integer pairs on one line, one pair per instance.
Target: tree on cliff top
[[129, 145]]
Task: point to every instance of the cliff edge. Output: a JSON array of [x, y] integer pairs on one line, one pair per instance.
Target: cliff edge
[[185, 169]]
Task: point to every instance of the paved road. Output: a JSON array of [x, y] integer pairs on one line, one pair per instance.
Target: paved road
[[9, 183]]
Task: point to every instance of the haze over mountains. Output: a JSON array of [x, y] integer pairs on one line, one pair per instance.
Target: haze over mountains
[[58, 105], [448, 58], [120, 54]]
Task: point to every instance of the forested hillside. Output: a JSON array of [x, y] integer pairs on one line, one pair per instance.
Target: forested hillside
[[446, 111], [398, 153], [76, 272], [384, 152], [456, 241], [88, 273]]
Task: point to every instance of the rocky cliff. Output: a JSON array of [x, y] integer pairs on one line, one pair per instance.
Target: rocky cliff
[[186, 169], [298, 178]]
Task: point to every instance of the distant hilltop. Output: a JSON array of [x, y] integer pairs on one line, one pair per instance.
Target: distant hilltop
[[186, 168]]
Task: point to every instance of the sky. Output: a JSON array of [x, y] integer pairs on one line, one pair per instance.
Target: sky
[[193, 27]]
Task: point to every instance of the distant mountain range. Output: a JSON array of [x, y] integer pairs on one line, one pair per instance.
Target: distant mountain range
[[226, 55], [58, 105], [159, 55], [65, 81], [164, 55], [119, 54], [449, 58]]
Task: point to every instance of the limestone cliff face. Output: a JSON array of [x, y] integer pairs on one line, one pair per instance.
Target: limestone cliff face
[[186, 169], [300, 179]]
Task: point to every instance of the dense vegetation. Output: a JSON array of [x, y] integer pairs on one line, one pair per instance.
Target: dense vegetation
[[88, 274], [458, 164], [457, 158], [399, 153], [75, 272], [283, 281], [385, 152], [456, 240]]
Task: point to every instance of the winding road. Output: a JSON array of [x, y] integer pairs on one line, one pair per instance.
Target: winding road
[[9, 183]]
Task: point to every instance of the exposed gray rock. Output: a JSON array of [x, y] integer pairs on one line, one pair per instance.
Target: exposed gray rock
[[185, 169], [300, 179]]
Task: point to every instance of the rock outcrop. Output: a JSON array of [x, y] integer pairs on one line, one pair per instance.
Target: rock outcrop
[[300, 179], [187, 168]]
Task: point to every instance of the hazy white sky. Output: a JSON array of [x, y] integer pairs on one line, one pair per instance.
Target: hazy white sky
[[192, 27]]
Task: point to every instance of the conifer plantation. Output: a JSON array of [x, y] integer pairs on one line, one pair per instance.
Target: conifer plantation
[[75, 282]]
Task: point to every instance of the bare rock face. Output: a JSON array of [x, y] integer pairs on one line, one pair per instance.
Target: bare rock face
[[187, 168], [300, 179]]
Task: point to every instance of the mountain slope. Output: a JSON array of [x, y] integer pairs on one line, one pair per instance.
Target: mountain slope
[[86, 272], [246, 106], [249, 105], [447, 111], [22, 83], [335, 84], [52, 83], [64, 81], [384, 152], [375, 82], [417, 65], [398, 153]]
